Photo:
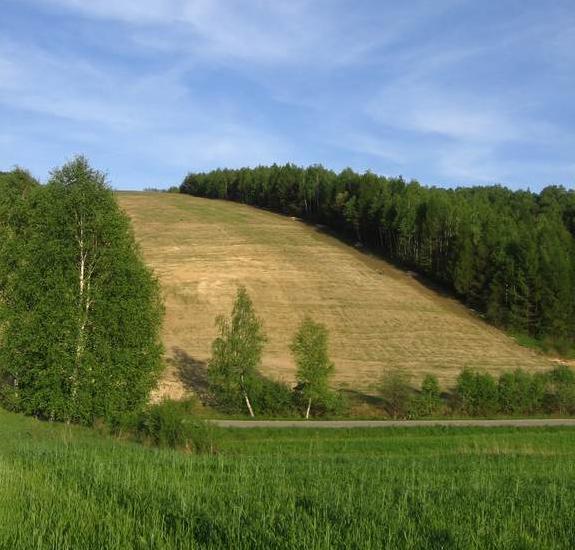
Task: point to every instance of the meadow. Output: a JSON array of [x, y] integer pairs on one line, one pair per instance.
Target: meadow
[[378, 316], [69, 487]]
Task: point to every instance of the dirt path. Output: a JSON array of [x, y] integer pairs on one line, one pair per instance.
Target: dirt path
[[519, 423]]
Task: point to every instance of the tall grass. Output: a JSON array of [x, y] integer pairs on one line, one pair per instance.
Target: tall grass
[[63, 487]]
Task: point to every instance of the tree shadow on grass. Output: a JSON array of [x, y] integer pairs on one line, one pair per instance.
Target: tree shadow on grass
[[192, 372]]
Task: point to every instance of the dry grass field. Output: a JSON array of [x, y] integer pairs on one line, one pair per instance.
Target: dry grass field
[[378, 316]]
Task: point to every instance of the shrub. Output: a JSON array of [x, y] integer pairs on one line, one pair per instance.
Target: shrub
[[476, 393], [172, 424], [332, 403], [397, 393], [560, 394], [520, 392], [273, 398], [428, 402]]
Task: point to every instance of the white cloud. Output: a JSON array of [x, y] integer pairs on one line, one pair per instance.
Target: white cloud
[[325, 33], [264, 31], [153, 117]]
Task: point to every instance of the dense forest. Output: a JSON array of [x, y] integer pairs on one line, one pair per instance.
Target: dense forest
[[507, 254]]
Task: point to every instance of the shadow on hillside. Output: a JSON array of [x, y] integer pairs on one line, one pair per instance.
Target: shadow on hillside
[[192, 372], [356, 396], [368, 253]]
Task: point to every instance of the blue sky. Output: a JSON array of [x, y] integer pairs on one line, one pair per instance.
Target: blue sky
[[448, 92]]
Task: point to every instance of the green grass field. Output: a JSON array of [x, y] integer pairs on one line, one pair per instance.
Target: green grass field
[[67, 487]]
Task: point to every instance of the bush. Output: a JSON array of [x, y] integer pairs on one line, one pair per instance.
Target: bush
[[476, 393], [428, 402], [172, 424], [397, 393], [330, 403], [273, 398], [560, 394], [520, 392]]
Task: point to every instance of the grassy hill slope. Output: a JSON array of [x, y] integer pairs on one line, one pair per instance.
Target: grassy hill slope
[[378, 316]]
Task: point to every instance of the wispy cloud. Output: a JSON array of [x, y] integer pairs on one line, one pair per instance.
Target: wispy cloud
[[445, 92], [279, 31], [152, 117]]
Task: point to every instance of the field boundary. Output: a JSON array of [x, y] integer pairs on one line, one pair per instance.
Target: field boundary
[[514, 423]]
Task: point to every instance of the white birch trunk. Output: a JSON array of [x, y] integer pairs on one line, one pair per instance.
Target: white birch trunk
[[84, 304], [249, 405], [308, 409]]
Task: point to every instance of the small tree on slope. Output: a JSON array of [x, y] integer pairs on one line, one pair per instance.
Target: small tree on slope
[[236, 353], [309, 348]]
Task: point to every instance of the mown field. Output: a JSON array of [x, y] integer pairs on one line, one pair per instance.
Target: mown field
[[378, 316], [68, 487]]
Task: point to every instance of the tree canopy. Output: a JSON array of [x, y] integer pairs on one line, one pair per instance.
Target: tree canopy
[[81, 312], [309, 348], [236, 354]]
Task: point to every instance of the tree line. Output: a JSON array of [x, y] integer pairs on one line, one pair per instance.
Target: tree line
[[480, 394], [80, 313], [510, 255]]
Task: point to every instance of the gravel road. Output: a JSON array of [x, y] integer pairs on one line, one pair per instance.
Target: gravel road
[[521, 423]]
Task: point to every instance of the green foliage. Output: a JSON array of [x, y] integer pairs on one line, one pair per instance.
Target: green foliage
[[509, 255], [273, 398], [81, 313], [309, 348], [233, 370], [476, 393], [397, 393], [560, 396], [172, 424], [333, 404], [428, 401], [520, 393]]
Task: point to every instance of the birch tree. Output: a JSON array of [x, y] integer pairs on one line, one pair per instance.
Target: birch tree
[[309, 348], [16, 187], [236, 354], [83, 331]]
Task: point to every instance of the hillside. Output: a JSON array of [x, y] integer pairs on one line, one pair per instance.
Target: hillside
[[378, 316]]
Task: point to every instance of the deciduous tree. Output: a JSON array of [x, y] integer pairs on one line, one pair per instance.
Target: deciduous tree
[[81, 331], [314, 368], [236, 353]]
